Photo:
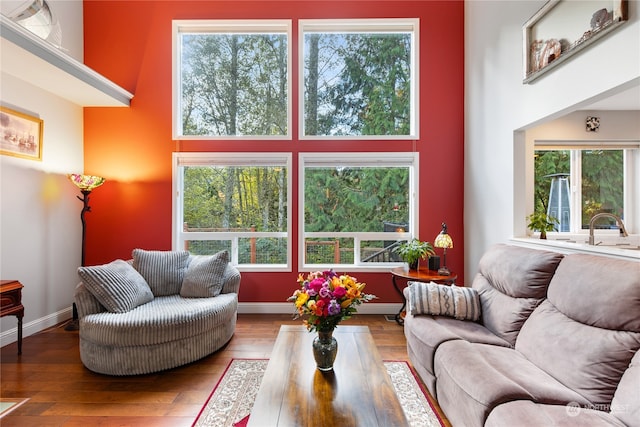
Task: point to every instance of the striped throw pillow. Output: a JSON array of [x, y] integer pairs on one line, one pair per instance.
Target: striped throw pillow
[[163, 270], [117, 285], [204, 275], [442, 300]]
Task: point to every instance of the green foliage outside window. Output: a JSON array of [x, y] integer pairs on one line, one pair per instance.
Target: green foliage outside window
[[357, 84], [602, 180]]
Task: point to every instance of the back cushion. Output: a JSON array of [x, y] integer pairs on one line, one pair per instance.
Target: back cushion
[[588, 329], [511, 283], [163, 270]]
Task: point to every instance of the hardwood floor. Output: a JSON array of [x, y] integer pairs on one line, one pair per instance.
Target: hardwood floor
[[62, 392]]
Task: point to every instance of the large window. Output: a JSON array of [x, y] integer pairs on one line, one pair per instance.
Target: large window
[[575, 182], [356, 207], [231, 79], [359, 78], [234, 201]]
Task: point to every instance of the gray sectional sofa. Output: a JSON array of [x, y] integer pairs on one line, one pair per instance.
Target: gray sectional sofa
[[160, 310], [556, 342]]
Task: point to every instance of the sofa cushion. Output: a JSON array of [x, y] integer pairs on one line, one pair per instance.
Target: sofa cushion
[[525, 413], [163, 270], [425, 334], [204, 275], [626, 400], [472, 379], [435, 299], [511, 282], [165, 319], [117, 285], [588, 329]]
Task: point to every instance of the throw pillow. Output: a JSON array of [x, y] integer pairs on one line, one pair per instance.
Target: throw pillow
[[163, 270], [466, 303], [204, 275], [117, 285], [442, 300]]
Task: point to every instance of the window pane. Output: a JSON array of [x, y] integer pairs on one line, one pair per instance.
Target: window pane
[[552, 171], [355, 199], [235, 198], [602, 186], [233, 84], [357, 84]]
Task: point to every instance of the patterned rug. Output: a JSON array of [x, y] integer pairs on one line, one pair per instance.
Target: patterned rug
[[231, 400]]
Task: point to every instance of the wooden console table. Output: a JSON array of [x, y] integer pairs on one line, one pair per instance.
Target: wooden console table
[[11, 304], [420, 275]]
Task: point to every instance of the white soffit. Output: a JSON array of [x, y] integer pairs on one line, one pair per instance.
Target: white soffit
[[29, 58]]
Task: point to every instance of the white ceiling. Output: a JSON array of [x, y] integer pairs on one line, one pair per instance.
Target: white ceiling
[[627, 100]]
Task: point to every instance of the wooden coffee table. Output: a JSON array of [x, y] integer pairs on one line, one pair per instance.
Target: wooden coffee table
[[358, 392]]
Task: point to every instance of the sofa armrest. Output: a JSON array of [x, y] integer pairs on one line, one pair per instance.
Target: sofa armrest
[[86, 303], [231, 280]]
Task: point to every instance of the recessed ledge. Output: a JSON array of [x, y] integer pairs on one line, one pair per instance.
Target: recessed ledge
[[27, 57], [568, 248]]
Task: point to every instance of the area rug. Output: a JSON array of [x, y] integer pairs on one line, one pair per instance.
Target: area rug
[[230, 402], [7, 405]]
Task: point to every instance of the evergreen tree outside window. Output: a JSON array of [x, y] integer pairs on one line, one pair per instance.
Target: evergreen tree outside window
[[354, 207], [359, 78]]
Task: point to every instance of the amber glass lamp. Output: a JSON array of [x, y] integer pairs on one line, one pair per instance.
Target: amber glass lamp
[[86, 184], [444, 241]]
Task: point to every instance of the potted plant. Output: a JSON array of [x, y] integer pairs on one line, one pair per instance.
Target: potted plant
[[540, 221], [411, 252]]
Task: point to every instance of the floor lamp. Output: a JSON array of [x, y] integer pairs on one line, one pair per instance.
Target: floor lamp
[[86, 184]]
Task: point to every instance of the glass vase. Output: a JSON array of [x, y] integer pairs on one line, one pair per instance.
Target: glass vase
[[325, 349]]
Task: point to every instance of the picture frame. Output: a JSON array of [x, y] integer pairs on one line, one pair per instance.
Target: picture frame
[[563, 28], [20, 134]]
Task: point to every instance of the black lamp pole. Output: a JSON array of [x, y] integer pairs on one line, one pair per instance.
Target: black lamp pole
[[85, 208]]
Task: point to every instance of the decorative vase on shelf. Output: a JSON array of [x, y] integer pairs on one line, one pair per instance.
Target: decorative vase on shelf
[[325, 349]]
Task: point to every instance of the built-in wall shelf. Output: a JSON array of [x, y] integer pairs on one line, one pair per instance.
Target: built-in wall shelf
[[27, 57]]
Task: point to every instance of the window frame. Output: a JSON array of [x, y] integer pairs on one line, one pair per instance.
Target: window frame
[[226, 26], [377, 25], [181, 159], [631, 188], [373, 159]]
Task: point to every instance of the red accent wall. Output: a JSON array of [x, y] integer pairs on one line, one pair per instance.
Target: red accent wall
[[131, 44]]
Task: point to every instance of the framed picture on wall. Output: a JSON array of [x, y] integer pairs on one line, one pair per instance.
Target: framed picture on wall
[[562, 28], [21, 134]]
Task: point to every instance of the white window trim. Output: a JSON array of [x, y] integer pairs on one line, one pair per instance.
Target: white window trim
[[247, 26], [230, 159], [410, 159], [381, 25]]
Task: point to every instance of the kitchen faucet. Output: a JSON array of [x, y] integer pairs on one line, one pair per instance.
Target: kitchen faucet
[[623, 230]]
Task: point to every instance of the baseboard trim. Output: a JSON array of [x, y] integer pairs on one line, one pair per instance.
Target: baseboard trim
[[287, 308], [35, 326]]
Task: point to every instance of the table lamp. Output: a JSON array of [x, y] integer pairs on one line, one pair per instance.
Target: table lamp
[[444, 241]]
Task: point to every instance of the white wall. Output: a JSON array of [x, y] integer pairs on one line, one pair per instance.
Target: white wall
[[499, 107], [40, 229]]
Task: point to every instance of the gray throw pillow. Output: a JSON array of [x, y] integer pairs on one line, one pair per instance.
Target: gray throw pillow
[[442, 300], [163, 270], [117, 285], [204, 275]]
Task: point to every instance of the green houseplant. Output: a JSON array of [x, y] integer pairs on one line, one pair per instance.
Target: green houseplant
[[413, 250], [540, 221]]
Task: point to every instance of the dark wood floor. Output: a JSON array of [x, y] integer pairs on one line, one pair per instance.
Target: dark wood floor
[[62, 392]]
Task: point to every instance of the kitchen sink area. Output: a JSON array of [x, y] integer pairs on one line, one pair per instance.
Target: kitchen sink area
[[603, 243]]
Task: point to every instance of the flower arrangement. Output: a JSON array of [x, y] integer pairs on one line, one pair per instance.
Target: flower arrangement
[[327, 298]]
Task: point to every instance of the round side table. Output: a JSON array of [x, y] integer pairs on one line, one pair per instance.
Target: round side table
[[419, 275]]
